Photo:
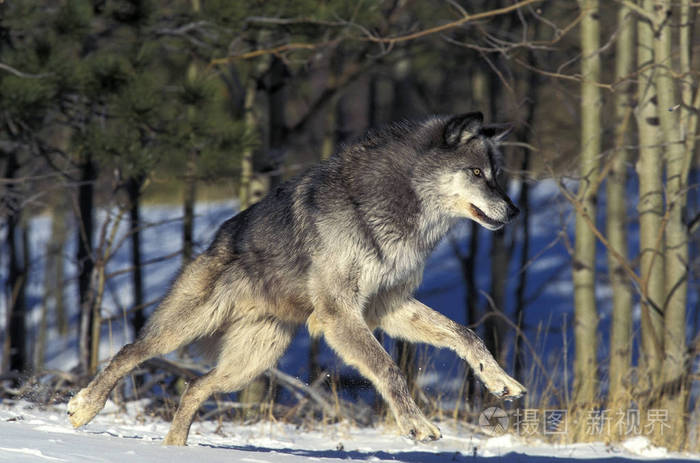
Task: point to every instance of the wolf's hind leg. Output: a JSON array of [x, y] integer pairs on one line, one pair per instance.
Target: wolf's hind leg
[[180, 318], [248, 348], [91, 399], [416, 322]]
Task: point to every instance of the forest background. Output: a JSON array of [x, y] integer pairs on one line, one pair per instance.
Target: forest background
[[111, 111]]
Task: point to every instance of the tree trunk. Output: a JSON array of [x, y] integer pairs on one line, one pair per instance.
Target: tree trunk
[[616, 221], [188, 207], [650, 208], [53, 281], [487, 97], [59, 236], [85, 219], [330, 129], [277, 99], [472, 298], [188, 204], [42, 331], [471, 308], [674, 369], [26, 270], [585, 313], [690, 109], [244, 192], [472, 302], [190, 196], [17, 271], [524, 135], [524, 205], [494, 326], [133, 188], [96, 292]]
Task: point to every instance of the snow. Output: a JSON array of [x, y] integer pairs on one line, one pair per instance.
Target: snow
[[41, 434]]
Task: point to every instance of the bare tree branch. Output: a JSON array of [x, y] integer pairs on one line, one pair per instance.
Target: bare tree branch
[[19, 73], [453, 24], [369, 37], [291, 21]]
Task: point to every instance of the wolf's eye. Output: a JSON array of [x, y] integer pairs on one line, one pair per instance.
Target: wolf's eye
[[476, 172]]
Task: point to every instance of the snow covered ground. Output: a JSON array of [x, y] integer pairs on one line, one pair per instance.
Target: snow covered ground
[[30, 434]]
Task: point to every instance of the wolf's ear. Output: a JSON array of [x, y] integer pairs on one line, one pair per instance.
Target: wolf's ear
[[461, 128], [496, 132]]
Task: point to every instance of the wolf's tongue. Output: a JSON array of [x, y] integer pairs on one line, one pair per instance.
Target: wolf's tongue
[[478, 212]]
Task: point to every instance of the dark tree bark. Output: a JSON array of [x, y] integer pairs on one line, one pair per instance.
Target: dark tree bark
[[524, 135], [133, 187], [524, 205], [188, 207], [85, 230], [494, 326], [17, 270], [471, 307], [277, 100]]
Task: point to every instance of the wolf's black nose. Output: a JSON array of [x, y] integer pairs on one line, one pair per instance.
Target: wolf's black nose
[[513, 211]]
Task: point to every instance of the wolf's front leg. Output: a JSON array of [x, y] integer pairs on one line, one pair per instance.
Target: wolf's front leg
[[348, 334], [416, 322]]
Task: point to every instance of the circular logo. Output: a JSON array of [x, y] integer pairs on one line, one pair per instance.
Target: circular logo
[[494, 420]]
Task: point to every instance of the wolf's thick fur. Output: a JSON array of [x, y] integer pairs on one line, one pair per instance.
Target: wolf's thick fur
[[340, 248]]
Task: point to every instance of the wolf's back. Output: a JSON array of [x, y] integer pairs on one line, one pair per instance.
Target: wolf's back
[[361, 196]]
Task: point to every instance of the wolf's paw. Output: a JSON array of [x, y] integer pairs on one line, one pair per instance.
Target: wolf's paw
[[82, 408], [418, 428], [504, 386]]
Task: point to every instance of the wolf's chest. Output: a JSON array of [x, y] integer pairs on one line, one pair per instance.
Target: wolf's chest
[[396, 266]]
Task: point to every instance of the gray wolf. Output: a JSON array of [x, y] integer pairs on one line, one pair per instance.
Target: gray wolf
[[340, 248]]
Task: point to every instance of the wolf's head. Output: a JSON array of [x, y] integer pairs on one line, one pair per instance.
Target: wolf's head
[[465, 168]]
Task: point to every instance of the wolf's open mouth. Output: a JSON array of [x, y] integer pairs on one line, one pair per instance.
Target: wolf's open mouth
[[479, 214]]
